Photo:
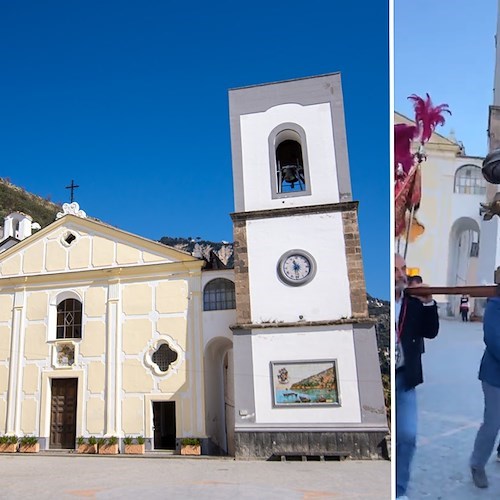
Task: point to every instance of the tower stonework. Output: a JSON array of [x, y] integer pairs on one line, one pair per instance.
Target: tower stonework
[[489, 252], [307, 376]]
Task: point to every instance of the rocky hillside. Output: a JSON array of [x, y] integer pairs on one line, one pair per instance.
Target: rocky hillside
[[380, 311], [202, 248], [16, 199]]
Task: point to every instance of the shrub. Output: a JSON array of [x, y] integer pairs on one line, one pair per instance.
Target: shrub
[[190, 442], [127, 440], [101, 441], [92, 440], [112, 440], [80, 440], [140, 439], [28, 440], [12, 439]]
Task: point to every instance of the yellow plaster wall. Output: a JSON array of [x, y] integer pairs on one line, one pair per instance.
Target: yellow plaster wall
[[4, 342], [174, 382], [4, 380], [137, 299], [28, 416], [103, 252], [3, 413], [6, 305], [175, 327], [11, 266], [36, 306], [95, 416], [55, 259], [136, 335], [151, 257], [35, 346], [30, 379], [79, 253], [136, 378], [183, 408], [172, 296], [95, 301], [96, 377], [33, 258], [93, 341], [133, 416], [127, 255]]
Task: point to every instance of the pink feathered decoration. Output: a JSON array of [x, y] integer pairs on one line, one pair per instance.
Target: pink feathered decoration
[[427, 116]]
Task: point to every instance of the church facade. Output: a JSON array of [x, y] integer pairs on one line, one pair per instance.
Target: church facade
[[448, 243], [105, 333]]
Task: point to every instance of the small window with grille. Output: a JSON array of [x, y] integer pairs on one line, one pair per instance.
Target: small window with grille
[[163, 357], [69, 319], [218, 295]]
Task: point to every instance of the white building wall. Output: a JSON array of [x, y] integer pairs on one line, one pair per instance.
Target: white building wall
[[439, 210], [306, 345], [316, 121], [326, 297], [217, 323]]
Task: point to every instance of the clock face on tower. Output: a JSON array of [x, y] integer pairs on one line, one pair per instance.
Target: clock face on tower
[[296, 267]]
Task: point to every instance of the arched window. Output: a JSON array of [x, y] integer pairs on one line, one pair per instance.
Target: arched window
[[218, 295], [289, 164], [469, 180], [69, 319], [290, 167]]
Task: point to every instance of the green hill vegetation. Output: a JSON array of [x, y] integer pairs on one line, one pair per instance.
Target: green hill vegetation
[[16, 199]]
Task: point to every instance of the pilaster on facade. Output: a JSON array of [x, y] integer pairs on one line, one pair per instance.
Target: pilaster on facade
[[14, 396], [113, 365]]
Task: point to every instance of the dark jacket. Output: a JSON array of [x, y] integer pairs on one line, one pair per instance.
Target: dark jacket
[[490, 364], [416, 322]]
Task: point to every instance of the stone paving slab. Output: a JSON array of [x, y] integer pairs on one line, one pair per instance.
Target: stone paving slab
[[450, 404], [52, 477]]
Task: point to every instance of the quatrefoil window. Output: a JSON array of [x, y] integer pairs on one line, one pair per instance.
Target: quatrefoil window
[[163, 357]]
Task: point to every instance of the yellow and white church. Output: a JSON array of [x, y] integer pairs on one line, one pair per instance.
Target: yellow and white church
[[106, 333]]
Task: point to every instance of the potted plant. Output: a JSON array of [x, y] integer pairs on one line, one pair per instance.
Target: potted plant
[[190, 446], [8, 444], [108, 446], [89, 446], [29, 444], [134, 449]]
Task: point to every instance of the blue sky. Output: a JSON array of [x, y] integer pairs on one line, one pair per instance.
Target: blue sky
[[129, 99], [447, 48]]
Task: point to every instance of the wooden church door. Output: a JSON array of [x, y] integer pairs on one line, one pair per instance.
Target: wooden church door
[[63, 413]]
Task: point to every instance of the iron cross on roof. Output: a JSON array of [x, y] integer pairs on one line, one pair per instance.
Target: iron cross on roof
[[73, 186]]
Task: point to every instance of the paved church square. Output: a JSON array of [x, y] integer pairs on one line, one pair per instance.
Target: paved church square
[[450, 413], [131, 478]]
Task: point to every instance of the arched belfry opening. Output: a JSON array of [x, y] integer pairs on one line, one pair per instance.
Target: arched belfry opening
[[289, 161], [290, 167]]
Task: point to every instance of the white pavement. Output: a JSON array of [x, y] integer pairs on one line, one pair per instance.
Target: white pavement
[[450, 404], [72, 477]]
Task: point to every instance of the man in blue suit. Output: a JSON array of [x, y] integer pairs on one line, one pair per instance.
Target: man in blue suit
[[489, 374]]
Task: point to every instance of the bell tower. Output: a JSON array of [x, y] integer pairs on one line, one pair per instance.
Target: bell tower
[[305, 354]]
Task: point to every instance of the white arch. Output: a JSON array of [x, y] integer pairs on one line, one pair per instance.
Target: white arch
[[219, 393], [464, 233]]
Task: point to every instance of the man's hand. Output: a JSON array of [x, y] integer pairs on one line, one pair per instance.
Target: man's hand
[[425, 299]]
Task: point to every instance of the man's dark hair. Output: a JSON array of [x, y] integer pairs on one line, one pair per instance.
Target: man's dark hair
[[415, 280]]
